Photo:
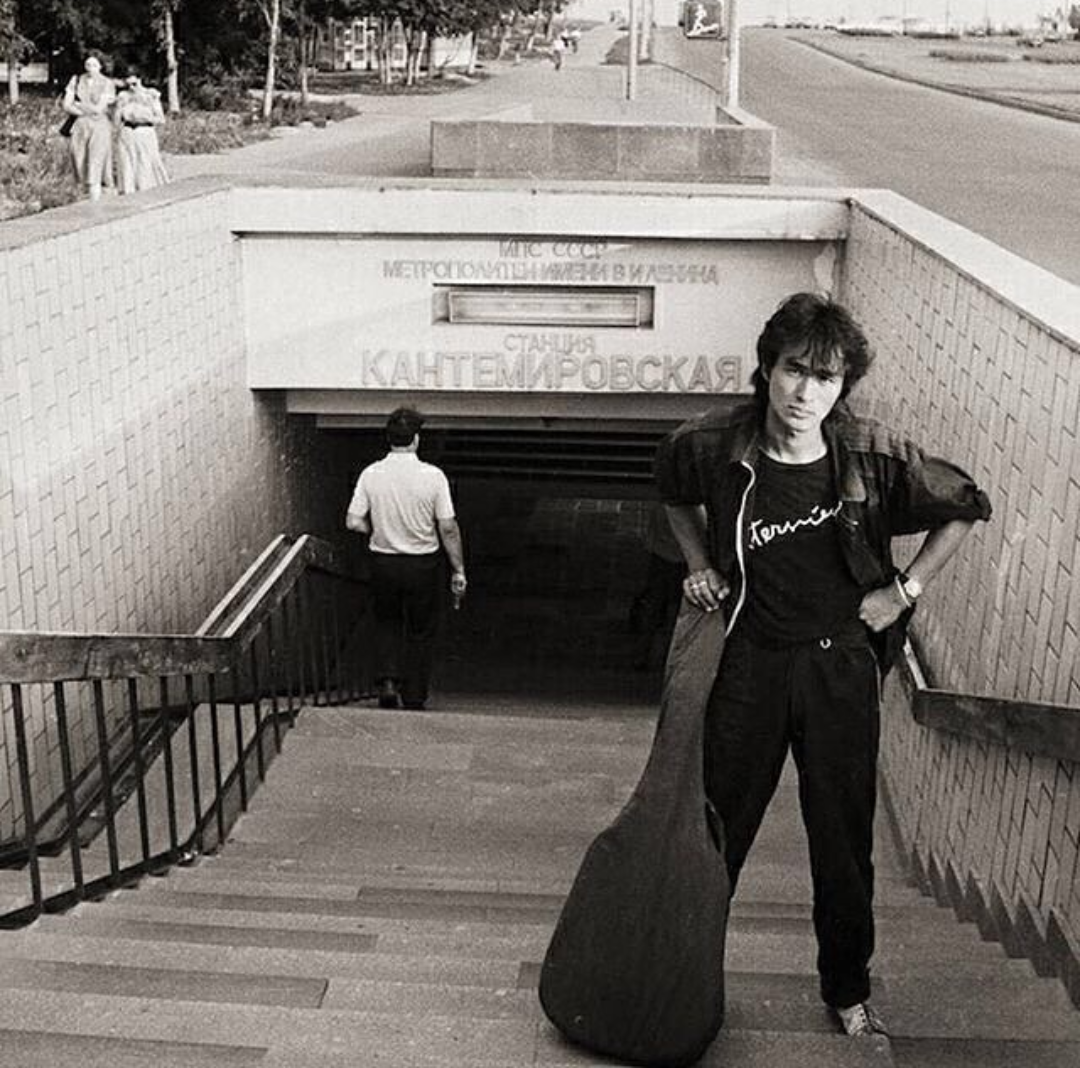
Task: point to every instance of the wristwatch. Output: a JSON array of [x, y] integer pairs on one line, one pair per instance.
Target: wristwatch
[[911, 587]]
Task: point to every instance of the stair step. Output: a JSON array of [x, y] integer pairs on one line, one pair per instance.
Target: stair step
[[934, 1006], [764, 1049], [35, 1049], [172, 984], [386, 1038], [419, 966], [147, 921], [578, 722], [985, 1053], [497, 907]]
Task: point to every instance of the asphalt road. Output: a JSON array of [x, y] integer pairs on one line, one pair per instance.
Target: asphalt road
[[1010, 175]]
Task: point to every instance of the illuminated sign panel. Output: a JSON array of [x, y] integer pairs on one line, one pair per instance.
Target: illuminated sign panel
[[535, 306]]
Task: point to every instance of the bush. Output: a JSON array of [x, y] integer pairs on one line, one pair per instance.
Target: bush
[[199, 132], [289, 111], [985, 56], [1052, 57], [35, 167], [217, 91]]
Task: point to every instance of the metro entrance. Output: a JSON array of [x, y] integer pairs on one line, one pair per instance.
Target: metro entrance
[[555, 528]]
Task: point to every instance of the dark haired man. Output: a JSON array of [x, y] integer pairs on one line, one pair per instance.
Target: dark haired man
[[784, 511], [405, 506]]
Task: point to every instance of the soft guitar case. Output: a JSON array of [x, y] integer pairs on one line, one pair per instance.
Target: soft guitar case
[[635, 967]]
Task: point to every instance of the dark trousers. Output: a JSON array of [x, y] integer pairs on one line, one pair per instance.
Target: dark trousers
[[821, 700], [405, 591]]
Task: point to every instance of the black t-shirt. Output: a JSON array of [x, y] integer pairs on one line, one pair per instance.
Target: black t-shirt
[[798, 585]]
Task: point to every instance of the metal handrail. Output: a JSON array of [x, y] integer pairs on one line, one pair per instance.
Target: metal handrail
[[1034, 727], [273, 643]]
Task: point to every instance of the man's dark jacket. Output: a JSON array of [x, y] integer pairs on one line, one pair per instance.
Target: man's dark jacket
[[886, 485]]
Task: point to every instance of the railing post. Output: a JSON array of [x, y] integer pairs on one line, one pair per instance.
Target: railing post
[[105, 764], [272, 671], [288, 645], [170, 781], [140, 767], [238, 726], [215, 744], [300, 640], [256, 704], [68, 776], [193, 760], [22, 757]]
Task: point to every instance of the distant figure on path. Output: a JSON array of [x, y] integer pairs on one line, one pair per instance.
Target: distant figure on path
[[88, 98], [138, 155], [558, 48], [405, 506], [785, 511]]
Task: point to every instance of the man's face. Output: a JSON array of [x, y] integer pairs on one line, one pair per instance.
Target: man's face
[[801, 396]]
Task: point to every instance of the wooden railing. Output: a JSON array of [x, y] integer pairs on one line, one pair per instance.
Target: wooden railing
[[1034, 727], [142, 716]]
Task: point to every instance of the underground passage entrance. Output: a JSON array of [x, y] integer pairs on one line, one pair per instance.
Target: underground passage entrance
[[556, 527]]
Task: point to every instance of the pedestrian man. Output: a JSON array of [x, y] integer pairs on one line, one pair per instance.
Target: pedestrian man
[[784, 512], [405, 507], [558, 48]]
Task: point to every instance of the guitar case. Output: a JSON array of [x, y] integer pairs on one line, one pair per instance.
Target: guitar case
[[635, 967]]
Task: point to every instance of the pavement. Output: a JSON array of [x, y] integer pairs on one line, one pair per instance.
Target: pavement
[[391, 134]]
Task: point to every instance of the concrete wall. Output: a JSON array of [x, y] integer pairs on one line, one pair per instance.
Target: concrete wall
[[138, 474], [979, 355], [668, 152]]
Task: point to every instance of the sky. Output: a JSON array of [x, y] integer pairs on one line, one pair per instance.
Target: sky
[[959, 12]]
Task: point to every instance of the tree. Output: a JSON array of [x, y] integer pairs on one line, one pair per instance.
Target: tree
[[311, 17], [271, 12], [165, 12], [1074, 19], [11, 44]]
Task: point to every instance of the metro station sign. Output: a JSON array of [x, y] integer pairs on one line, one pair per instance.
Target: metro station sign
[[514, 313], [703, 19]]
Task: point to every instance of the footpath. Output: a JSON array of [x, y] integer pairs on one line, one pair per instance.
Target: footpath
[[390, 136]]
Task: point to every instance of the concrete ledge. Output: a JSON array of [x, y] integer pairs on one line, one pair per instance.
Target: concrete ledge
[[735, 152]]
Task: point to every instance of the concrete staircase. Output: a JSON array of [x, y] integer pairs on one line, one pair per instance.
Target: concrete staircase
[[389, 896]]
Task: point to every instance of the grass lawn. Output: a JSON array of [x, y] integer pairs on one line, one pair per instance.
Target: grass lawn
[[1044, 79]]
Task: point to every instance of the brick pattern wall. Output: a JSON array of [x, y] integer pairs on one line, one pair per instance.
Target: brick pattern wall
[[980, 382], [138, 474]]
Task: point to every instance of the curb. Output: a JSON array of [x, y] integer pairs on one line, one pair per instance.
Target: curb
[[946, 87]]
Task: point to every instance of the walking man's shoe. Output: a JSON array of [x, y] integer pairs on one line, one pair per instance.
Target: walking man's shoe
[[860, 1020], [388, 694]]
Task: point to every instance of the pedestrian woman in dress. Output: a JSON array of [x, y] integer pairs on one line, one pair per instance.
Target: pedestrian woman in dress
[[87, 99], [138, 156]]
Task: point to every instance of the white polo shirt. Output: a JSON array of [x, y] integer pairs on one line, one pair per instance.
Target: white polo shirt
[[403, 498]]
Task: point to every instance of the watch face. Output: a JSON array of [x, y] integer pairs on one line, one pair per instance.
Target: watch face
[[912, 588]]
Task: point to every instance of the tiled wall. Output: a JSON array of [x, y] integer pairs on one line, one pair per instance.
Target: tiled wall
[[138, 474], [983, 380]]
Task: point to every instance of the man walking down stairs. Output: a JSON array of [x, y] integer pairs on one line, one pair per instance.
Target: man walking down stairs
[[388, 898]]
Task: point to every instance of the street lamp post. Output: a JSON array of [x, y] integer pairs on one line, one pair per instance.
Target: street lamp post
[[733, 56], [632, 57]]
